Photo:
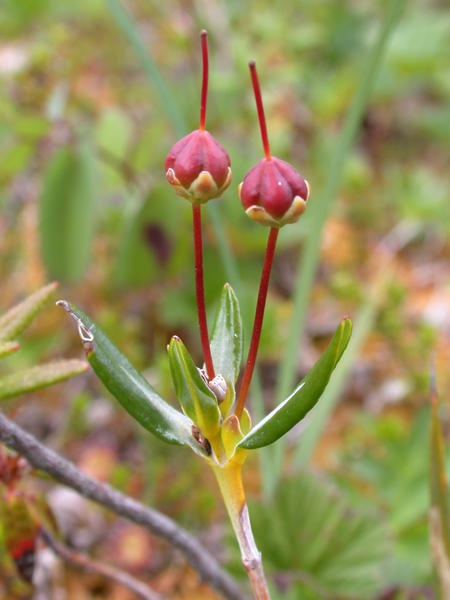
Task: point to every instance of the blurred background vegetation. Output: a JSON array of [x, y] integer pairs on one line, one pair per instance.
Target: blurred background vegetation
[[92, 96]]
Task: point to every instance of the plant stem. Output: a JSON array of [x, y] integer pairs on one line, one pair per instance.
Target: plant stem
[[89, 565], [199, 289], [260, 108], [257, 324], [204, 40], [229, 479]]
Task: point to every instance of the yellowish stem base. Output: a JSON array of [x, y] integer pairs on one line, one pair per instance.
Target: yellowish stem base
[[230, 483]]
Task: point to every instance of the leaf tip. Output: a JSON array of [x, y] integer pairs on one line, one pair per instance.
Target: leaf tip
[[175, 340], [64, 304], [85, 333], [347, 323]]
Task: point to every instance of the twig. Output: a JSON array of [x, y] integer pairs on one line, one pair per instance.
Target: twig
[[44, 459], [87, 564]]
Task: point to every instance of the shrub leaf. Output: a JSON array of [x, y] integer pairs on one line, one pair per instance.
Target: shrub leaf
[[304, 398]]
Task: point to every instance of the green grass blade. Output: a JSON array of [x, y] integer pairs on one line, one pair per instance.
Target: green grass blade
[[439, 498], [363, 324], [322, 204], [129, 28]]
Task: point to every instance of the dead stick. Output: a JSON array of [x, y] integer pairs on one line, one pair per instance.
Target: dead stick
[[44, 459], [85, 563]]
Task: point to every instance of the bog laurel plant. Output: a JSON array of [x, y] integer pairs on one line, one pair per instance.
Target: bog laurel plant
[[214, 422]]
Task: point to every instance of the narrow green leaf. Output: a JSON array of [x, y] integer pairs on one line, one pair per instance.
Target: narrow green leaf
[[195, 397], [8, 348], [14, 321], [440, 509], [226, 336], [67, 212], [131, 33], [364, 321], [128, 386], [39, 377], [304, 398]]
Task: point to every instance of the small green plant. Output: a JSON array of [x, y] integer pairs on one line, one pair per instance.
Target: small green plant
[[20, 513], [12, 324], [215, 423]]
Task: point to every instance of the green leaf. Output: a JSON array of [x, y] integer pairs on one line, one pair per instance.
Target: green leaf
[[364, 322], [195, 397], [8, 348], [226, 337], [440, 509], [128, 386], [67, 213], [39, 377], [14, 321], [303, 399]]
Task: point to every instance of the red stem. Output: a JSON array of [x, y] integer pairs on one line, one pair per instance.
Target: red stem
[[260, 108], [257, 325], [199, 289], [204, 41]]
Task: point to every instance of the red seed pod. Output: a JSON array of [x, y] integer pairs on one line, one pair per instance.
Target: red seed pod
[[197, 166], [273, 192]]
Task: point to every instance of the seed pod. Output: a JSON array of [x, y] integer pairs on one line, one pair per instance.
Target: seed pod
[[272, 193], [197, 166]]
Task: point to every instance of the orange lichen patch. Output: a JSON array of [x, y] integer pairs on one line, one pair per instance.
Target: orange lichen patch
[[442, 354], [133, 548], [92, 85], [339, 244], [325, 454], [98, 461]]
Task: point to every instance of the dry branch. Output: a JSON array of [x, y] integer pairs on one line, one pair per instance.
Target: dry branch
[[60, 469]]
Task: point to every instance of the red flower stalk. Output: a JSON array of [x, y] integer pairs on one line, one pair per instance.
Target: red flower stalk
[[198, 168], [273, 194]]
